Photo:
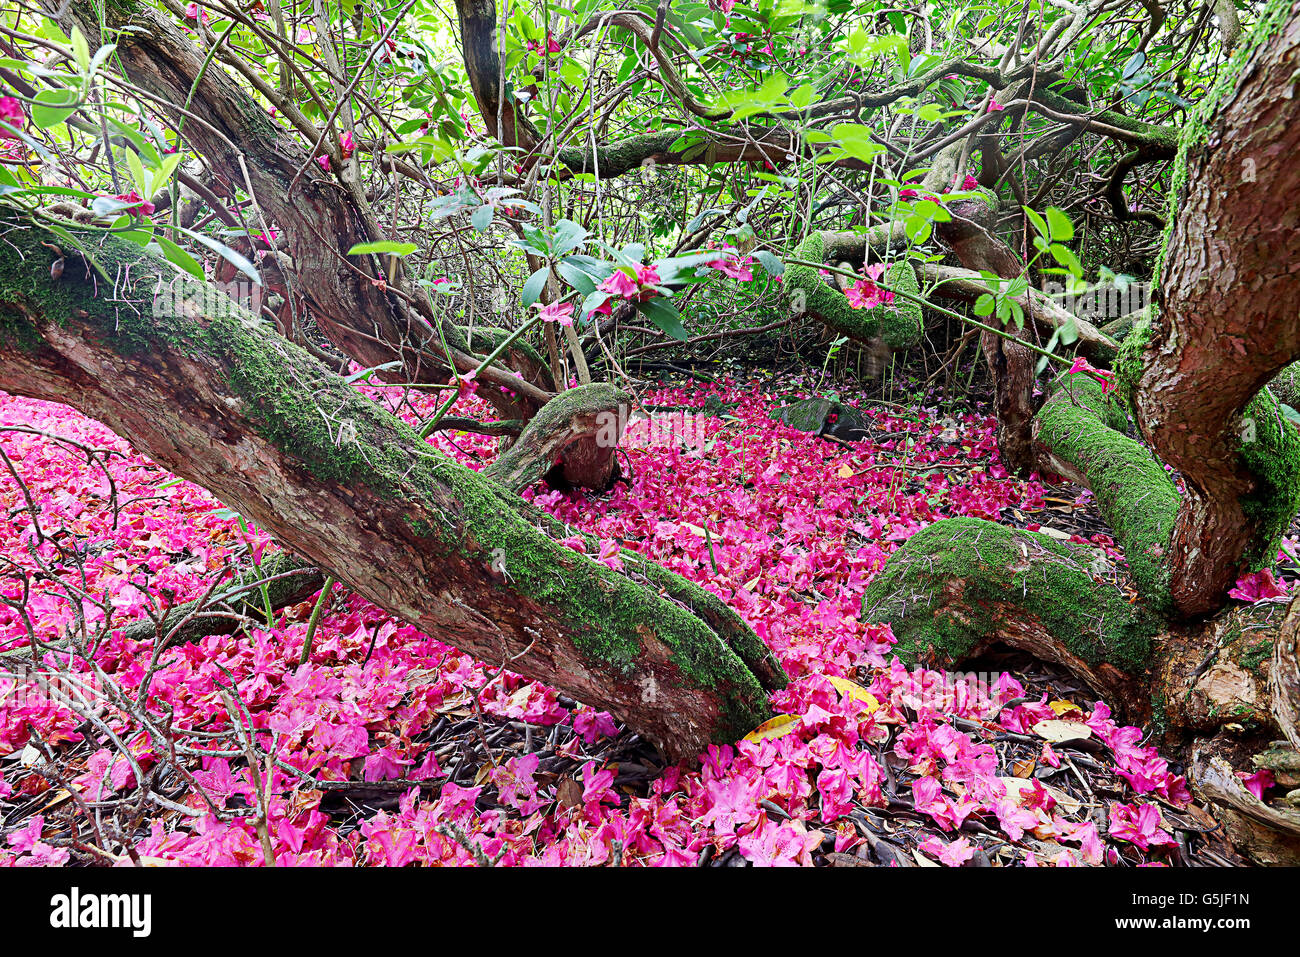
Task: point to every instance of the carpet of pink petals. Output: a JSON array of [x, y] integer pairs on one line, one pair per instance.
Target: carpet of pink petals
[[797, 527]]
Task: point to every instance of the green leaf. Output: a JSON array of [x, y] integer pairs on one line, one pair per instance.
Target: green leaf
[[576, 277], [568, 235], [533, 287], [1039, 223], [383, 246], [139, 178], [1065, 256], [179, 257], [481, 218], [1062, 230], [664, 316], [52, 107], [774, 265], [225, 252], [984, 305], [80, 49], [856, 140]]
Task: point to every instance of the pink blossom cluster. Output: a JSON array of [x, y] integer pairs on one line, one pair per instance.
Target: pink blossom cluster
[[865, 294]]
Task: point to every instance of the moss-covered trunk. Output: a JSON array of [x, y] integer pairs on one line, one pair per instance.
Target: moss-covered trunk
[[1229, 320], [221, 400]]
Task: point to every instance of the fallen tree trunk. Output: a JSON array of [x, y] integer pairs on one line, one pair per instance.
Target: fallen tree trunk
[[212, 395]]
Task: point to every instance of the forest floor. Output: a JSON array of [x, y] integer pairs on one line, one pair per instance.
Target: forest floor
[[390, 747]]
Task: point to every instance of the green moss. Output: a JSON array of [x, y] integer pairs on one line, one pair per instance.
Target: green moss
[[899, 326], [454, 514], [1270, 448], [608, 615], [950, 585], [1130, 361], [1255, 654], [1081, 425], [813, 415]]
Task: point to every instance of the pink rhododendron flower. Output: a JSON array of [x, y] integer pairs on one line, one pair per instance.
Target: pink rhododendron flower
[[347, 146], [647, 276], [592, 725], [733, 265], [1138, 824], [561, 312], [1259, 587], [1105, 377], [11, 112], [794, 545], [779, 845], [970, 182], [609, 555], [32, 851], [865, 294], [142, 208], [995, 106], [620, 283], [324, 162], [954, 854], [1257, 783]]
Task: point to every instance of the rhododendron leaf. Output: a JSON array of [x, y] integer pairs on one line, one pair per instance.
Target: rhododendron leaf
[[533, 287], [481, 218], [665, 317], [772, 264], [1059, 732], [576, 278], [567, 235], [852, 690], [225, 252], [776, 727], [383, 246], [52, 107]]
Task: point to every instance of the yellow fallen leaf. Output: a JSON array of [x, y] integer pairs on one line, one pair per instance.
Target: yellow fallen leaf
[[1064, 707], [845, 471], [776, 727], [846, 687]]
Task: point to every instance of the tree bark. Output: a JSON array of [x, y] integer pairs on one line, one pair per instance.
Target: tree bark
[[1011, 364], [349, 296], [1229, 321], [214, 396]]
